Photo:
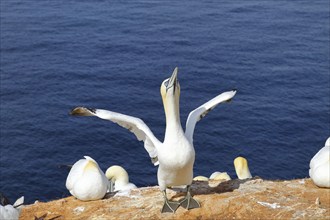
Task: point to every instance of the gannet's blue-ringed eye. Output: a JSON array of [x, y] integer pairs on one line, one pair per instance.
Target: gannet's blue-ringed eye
[[166, 82]]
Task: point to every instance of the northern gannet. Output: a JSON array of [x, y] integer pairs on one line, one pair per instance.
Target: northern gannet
[[200, 178], [86, 181], [176, 155], [118, 176], [320, 166], [8, 211], [242, 168], [220, 176]]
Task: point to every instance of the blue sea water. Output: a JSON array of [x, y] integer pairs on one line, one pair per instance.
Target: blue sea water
[[56, 55]]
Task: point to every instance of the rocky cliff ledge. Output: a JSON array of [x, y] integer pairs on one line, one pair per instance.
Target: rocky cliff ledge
[[234, 199]]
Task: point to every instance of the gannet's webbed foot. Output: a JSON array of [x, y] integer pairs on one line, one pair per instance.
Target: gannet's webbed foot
[[189, 202], [169, 206]]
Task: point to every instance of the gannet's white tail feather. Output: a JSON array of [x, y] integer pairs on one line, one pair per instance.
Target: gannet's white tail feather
[[200, 112], [133, 124]]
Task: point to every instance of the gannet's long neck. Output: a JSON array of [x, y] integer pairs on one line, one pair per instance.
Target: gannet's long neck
[[118, 175], [172, 114], [122, 178], [170, 91]]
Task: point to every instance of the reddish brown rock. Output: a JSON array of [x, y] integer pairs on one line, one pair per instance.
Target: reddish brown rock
[[234, 199]]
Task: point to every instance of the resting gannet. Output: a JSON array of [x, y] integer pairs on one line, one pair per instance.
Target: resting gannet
[[220, 176], [176, 155], [86, 181], [320, 166], [119, 177], [8, 211], [242, 168], [200, 178]]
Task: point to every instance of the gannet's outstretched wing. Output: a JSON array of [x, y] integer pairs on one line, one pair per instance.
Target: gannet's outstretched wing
[[135, 125], [197, 114]]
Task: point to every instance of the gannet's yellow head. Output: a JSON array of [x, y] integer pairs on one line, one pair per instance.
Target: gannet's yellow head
[[91, 164], [242, 168], [220, 176], [116, 172], [170, 91]]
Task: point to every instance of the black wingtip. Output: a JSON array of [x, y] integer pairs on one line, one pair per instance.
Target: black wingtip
[[92, 110], [3, 199], [234, 90]]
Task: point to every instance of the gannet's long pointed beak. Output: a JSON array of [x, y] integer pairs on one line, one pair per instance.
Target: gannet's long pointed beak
[[174, 78]]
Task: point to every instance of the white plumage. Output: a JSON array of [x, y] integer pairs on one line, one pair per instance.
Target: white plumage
[[242, 168], [86, 181], [11, 212], [200, 178], [176, 155], [119, 177], [320, 166], [220, 176]]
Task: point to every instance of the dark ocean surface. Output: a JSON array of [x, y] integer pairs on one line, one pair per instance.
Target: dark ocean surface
[[56, 55]]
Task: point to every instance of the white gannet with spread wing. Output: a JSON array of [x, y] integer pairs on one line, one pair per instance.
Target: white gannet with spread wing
[[176, 155], [320, 166]]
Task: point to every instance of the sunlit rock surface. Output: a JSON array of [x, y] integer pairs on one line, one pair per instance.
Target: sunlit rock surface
[[234, 199]]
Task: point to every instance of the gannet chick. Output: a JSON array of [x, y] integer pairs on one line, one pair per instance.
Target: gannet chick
[[220, 176], [201, 178], [8, 211], [176, 155], [242, 168], [320, 166], [86, 181], [119, 177]]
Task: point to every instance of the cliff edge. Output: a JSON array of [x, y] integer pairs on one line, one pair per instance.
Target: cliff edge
[[235, 199]]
